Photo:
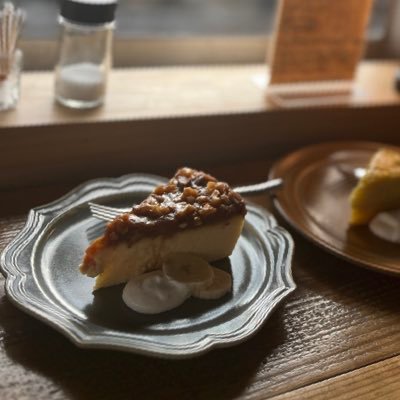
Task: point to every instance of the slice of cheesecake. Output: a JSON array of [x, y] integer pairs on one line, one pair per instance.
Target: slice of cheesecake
[[192, 213], [379, 189]]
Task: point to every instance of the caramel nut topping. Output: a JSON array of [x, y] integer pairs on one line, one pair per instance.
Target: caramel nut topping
[[202, 199], [189, 192], [185, 211], [211, 186], [207, 210], [190, 199]]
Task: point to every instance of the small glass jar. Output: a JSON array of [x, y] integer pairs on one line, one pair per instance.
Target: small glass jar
[[85, 52], [10, 77]]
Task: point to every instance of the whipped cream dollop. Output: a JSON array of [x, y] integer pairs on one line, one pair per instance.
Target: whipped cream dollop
[[386, 225], [153, 293], [182, 275]]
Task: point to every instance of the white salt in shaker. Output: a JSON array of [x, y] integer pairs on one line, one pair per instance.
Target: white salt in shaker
[[85, 52]]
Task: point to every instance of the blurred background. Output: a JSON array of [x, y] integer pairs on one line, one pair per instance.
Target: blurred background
[[171, 32]]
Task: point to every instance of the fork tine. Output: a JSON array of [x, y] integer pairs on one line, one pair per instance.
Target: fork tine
[[100, 207], [104, 213], [103, 216], [111, 214]]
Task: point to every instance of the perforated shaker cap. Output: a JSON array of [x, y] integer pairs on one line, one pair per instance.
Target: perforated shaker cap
[[89, 11]]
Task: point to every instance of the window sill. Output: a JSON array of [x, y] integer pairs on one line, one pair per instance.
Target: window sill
[[175, 116], [149, 93]]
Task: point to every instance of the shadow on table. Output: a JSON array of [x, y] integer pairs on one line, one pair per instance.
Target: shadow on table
[[87, 374]]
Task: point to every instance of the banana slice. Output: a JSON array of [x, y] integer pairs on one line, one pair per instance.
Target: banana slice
[[188, 269], [221, 284], [153, 293]]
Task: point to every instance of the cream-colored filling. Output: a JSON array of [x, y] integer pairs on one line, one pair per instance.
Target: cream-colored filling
[[120, 263]]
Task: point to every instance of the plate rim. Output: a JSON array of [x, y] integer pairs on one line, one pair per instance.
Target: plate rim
[[340, 145], [39, 217]]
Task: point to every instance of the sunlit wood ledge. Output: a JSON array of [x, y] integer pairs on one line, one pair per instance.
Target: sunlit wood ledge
[[165, 117], [182, 91]]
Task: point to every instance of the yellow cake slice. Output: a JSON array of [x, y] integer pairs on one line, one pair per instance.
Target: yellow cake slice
[[192, 213], [379, 189]]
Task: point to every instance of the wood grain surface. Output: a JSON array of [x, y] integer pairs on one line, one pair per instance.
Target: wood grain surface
[[376, 381], [143, 93], [337, 336]]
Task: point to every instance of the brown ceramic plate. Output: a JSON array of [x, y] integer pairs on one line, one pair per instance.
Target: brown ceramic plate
[[315, 201]]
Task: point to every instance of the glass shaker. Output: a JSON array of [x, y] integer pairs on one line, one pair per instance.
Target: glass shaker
[[85, 52], [10, 75]]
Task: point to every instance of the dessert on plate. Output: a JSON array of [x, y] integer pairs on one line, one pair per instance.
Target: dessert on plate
[[193, 213], [379, 189]]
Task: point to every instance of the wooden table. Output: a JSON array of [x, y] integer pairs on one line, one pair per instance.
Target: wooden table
[[336, 337]]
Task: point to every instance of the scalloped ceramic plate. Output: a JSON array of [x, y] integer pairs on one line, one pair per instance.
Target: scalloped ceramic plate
[[42, 278]]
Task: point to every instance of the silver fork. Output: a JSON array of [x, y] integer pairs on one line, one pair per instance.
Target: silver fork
[[107, 213]]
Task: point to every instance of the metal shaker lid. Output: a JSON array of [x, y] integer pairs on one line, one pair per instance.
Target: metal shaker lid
[[89, 11]]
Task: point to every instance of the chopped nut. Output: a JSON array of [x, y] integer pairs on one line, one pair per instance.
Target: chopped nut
[[215, 201], [162, 189], [170, 188], [185, 211], [182, 181], [211, 186], [207, 209], [236, 198], [159, 190], [185, 172], [222, 187], [151, 210], [161, 210], [215, 193], [225, 199], [202, 199], [190, 192], [143, 209]]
